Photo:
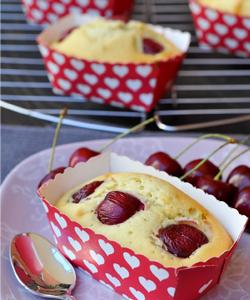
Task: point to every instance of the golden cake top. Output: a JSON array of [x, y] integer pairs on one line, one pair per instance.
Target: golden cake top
[[116, 42]]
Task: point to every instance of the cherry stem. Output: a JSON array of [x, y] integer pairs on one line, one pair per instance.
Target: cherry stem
[[133, 129], [63, 113], [242, 142], [229, 162], [231, 141], [203, 137]]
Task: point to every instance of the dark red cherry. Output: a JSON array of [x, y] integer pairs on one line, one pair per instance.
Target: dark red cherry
[[242, 203], [85, 191], [240, 177], [206, 169], [151, 47], [81, 155], [51, 175], [117, 207], [221, 190], [163, 162], [182, 239]]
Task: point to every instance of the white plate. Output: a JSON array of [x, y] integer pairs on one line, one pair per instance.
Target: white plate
[[22, 211]]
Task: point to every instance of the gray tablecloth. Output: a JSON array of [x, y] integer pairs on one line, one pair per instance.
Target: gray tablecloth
[[19, 142]]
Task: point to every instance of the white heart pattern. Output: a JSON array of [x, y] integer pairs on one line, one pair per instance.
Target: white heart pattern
[[152, 82], [205, 286], [101, 3], [64, 84], [53, 67], [121, 71], [83, 2], [134, 84], [82, 234], [146, 98], [211, 14], [75, 244], [203, 23], [91, 79], [229, 19], [98, 68], [59, 58], [43, 5], [195, 8], [61, 221], [113, 280], [171, 291], [56, 230], [125, 97], [77, 64], [231, 43], [58, 8], [44, 51], [37, 14], [159, 273], [137, 294], [246, 23], [221, 29], [133, 261], [213, 39], [111, 82], [83, 88], [104, 93], [106, 247], [98, 258], [148, 285], [144, 71], [247, 46], [123, 272], [90, 266], [70, 74], [240, 33], [52, 17], [68, 253]]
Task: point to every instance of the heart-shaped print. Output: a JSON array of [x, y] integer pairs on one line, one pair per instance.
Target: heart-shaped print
[[123, 272], [64, 84], [59, 58], [75, 10], [159, 273], [106, 247], [82, 234], [212, 38], [113, 280], [61, 221], [58, 8], [231, 43], [44, 51], [203, 23], [70, 74], [101, 3], [125, 97], [28, 2], [104, 93], [195, 8], [247, 46], [83, 88], [138, 107], [43, 5], [52, 17], [146, 98], [98, 68], [148, 285], [111, 82], [205, 286], [56, 230], [120, 71], [37, 14], [91, 79], [144, 71], [83, 2], [152, 82], [171, 291], [90, 266], [134, 84], [246, 23], [68, 253], [53, 67], [229, 19], [93, 12], [137, 294], [97, 99], [118, 104], [133, 261], [240, 33], [75, 244], [211, 14], [98, 258], [221, 29], [77, 64]]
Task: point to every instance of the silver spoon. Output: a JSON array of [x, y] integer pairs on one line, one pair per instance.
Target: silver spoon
[[41, 268]]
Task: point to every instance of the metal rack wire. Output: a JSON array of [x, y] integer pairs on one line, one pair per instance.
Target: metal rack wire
[[209, 85]]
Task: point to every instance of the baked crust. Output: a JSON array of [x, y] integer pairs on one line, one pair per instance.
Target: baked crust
[[164, 205]]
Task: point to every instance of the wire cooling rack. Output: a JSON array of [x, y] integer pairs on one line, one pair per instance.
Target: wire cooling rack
[[210, 86]]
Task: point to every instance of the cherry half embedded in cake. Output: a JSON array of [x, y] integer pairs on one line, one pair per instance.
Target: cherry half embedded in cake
[[117, 207], [151, 47], [163, 162], [182, 239], [51, 175], [85, 191], [81, 155], [240, 177], [206, 169]]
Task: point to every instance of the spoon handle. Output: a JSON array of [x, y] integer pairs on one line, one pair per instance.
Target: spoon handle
[[68, 297]]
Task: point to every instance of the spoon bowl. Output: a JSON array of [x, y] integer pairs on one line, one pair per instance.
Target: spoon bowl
[[40, 267]]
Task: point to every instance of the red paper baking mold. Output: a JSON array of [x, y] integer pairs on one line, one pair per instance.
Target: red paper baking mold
[[136, 86], [48, 12], [130, 274], [225, 32]]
